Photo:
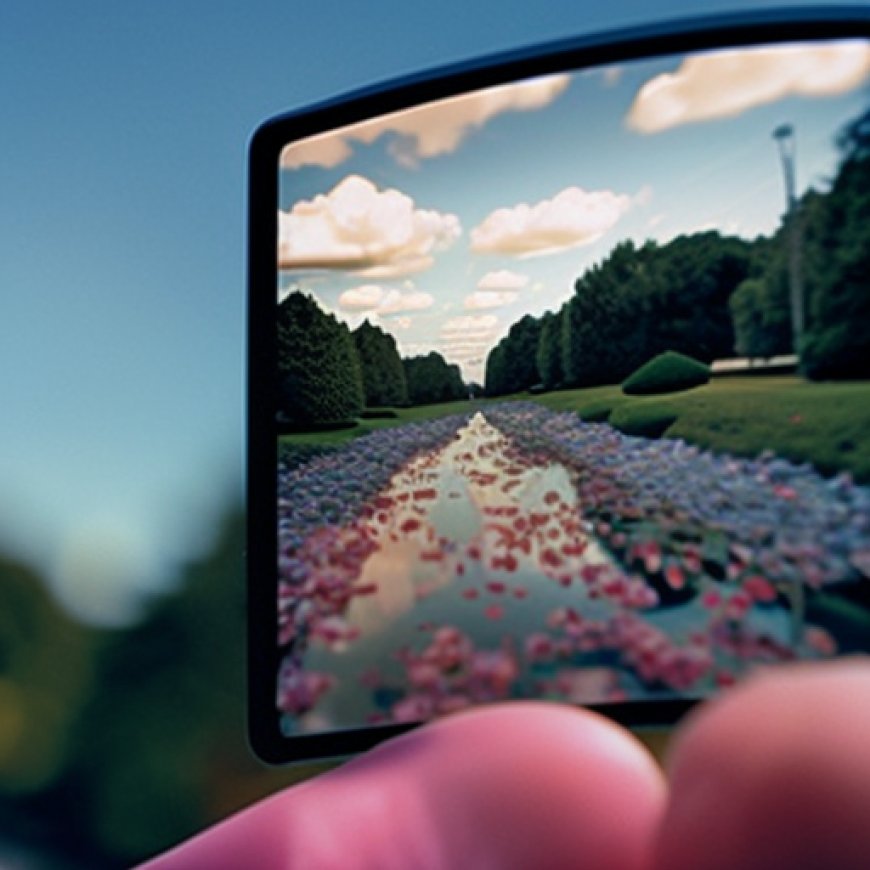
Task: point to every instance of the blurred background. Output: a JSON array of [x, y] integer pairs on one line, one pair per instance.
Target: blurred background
[[122, 171]]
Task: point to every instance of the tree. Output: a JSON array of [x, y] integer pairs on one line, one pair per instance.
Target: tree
[[511, 366], [431, 379], [604, 326], [495, 375], [166, 714], [641, 302], [837, 340], [761, 315], [319, 379], [46, 664], [549, 353], [383, 375], [689, 299]]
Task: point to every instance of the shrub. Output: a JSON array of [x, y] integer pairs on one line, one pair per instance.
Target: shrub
[[595, 412], [839, 352], [643, 420], [668, 372], [287, 426], [379, 414]]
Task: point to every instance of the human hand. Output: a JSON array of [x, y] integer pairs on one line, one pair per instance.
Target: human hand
[[775, 773]]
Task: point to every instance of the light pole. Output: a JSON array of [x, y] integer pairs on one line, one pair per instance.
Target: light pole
[[785, 139]]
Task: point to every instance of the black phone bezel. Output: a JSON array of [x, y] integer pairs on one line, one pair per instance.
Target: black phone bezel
[[676, 37]]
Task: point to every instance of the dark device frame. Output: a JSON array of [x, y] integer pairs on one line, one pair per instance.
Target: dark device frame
[[266, 144]]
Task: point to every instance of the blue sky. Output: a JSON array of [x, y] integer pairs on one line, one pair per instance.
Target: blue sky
[[122, 226], [504, 197]]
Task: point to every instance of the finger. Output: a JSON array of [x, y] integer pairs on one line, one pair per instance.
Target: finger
[[774, 774], [523, 785]]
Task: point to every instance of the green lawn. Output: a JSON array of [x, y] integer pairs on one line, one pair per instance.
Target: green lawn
[[827, 424]]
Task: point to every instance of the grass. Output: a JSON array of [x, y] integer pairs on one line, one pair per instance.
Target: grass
[[827, 424]]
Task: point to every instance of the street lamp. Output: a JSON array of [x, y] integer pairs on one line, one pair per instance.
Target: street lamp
[[785, 139]]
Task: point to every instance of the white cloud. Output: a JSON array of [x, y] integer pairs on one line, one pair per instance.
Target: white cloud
[[724, 84], [395, 301], [431, 129], [327, 151], [380, 300], [503, 279], [470, 323], [356, 227], [490, 298], [571, 218], [464, 350], [474, 333], [364, 298]]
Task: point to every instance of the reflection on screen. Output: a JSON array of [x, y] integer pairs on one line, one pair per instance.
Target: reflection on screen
[[574, 388]]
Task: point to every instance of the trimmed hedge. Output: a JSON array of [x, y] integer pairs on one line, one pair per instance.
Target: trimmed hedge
[[378, 414], [642, 420], [669, 372], [286, 426], [595, 412]]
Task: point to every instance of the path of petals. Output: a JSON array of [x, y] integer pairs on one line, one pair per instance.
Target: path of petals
[[512, 555]]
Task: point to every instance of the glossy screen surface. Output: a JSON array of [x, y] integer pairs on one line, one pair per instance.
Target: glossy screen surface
[[573, 384]]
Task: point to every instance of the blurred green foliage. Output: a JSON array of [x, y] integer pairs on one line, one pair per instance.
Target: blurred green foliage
[[115, 745], [46, 671]]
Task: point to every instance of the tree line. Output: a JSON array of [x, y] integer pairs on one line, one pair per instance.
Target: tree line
[[328, 375], [710, 297], [639, 302], [834, 232], [705, 295]]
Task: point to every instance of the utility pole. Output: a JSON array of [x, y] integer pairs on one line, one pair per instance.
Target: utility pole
[[785, 139]]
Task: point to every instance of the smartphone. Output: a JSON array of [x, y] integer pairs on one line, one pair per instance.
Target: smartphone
[[559, 380]]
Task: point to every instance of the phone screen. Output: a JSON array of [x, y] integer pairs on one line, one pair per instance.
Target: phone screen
[[572, 389]]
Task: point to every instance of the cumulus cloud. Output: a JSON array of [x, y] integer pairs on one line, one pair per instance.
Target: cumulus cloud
[[572, 218], [724, 84], [380, 300], [503, 279], [364, 298], [465, 353], [327, 151], [490, 298], [431, 129], [358, 228], [395, 301], [470, 328]]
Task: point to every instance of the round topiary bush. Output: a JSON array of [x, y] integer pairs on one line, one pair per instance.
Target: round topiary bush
[[668, 372]]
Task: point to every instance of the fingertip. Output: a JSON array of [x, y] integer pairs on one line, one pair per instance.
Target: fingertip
[[511, 786], [775, 773]]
